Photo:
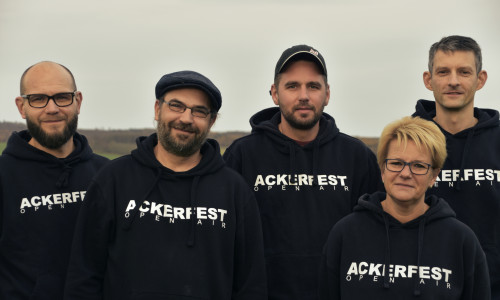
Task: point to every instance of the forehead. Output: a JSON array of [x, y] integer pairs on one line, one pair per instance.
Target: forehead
[[303, 70], [188, 96], [47, 78], [454, 59], [408, 152]]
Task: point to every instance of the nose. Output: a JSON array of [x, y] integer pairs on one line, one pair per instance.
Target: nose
[[453, 79], [187, 117], [51, 106], [304, 93], [406, 172]]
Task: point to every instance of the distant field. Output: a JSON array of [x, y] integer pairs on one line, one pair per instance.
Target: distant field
[[108, 155]]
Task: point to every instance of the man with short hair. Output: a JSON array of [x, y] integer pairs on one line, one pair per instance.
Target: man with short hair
[[306, 175], [470, 178], [44, 173], [170, 221]]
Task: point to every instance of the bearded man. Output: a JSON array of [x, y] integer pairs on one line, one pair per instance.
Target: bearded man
[[305, 173], [44, 173], [170, 221]]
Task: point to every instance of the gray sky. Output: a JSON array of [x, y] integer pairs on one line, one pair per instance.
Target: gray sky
[[375, 51]]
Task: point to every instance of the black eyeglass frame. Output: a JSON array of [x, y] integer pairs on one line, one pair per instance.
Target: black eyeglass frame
[[184, 107], [53, 97], [409, 164]]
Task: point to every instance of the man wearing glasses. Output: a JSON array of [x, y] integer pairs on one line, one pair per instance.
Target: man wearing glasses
[[170, 221], [44, 173]]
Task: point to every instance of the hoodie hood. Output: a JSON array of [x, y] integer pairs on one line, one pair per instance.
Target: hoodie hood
[[438, 209], [18, 147], [267, 121], [211, 162], [487, 118]]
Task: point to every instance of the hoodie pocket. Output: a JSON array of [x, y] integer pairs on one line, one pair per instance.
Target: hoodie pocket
[[48, 287]]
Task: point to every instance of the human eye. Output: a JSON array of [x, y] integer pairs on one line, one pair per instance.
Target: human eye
[[315, 86], [419, 166], [63, 97], [37, 97], [177, 106], [395, 162], [442, 72], [200, 112]]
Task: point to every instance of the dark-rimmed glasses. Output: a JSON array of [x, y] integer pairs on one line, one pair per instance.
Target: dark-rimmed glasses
[[416, 167], [41, 100], [196, 111]]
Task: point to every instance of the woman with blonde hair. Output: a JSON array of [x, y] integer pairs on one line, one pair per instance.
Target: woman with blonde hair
[[400, 244]]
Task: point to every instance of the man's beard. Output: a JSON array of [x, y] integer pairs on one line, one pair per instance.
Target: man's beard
[[52, 141], [302, 124], [180, 145]]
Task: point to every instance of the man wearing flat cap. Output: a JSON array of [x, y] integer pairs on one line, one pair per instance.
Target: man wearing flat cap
[[306, 175], [170, 220]]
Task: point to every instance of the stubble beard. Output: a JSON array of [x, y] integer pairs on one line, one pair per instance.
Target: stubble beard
[[302, 124], [183, 146]]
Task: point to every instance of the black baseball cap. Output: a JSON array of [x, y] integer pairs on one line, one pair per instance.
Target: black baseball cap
[[189, 79], [300, 52]]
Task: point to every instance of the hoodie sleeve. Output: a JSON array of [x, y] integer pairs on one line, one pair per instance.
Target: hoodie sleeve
[[90, 245], [329, 281], [476, 277], [371, 181], [250, 281], [232, 157]]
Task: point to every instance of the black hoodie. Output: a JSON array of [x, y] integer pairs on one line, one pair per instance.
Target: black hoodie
[[434, 256], [474, 157], [147, 232], [40, 196], [301, 192]]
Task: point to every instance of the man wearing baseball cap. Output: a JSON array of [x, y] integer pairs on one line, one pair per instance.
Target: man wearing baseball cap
[[170, 220], [306, 175]]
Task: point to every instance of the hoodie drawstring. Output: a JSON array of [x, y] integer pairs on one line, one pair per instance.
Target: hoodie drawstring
[[420, 245], [387, 259], [192, 203], [63, 180], [468, 141], [133, 213]]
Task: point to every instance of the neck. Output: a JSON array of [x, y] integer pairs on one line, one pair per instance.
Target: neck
[[174, 162], [60, 152], [404, 212], [302, 135], [455, 121]]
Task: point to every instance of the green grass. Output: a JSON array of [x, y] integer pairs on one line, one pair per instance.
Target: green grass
[[2, 146]]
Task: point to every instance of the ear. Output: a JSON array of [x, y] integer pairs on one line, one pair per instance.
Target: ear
[[78, 99], [20, 106], [435, 173], [427, 80], [327, 94], [481, 77], [157, 109], [274, 94]]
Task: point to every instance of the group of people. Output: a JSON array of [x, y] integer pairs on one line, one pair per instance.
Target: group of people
[[294, 210]]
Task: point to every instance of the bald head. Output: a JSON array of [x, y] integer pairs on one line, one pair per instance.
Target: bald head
[[46, 72]]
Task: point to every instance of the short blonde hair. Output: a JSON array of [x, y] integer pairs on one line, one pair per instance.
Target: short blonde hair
[[422, 132]]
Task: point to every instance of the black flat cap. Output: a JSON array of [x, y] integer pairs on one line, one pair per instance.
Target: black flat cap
[[189, 79]]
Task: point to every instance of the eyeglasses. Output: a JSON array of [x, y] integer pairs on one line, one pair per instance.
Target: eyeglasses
[[397, 165], [41, 100], [197, 111]]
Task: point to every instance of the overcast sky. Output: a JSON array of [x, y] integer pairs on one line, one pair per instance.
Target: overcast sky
[[375, 51]]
